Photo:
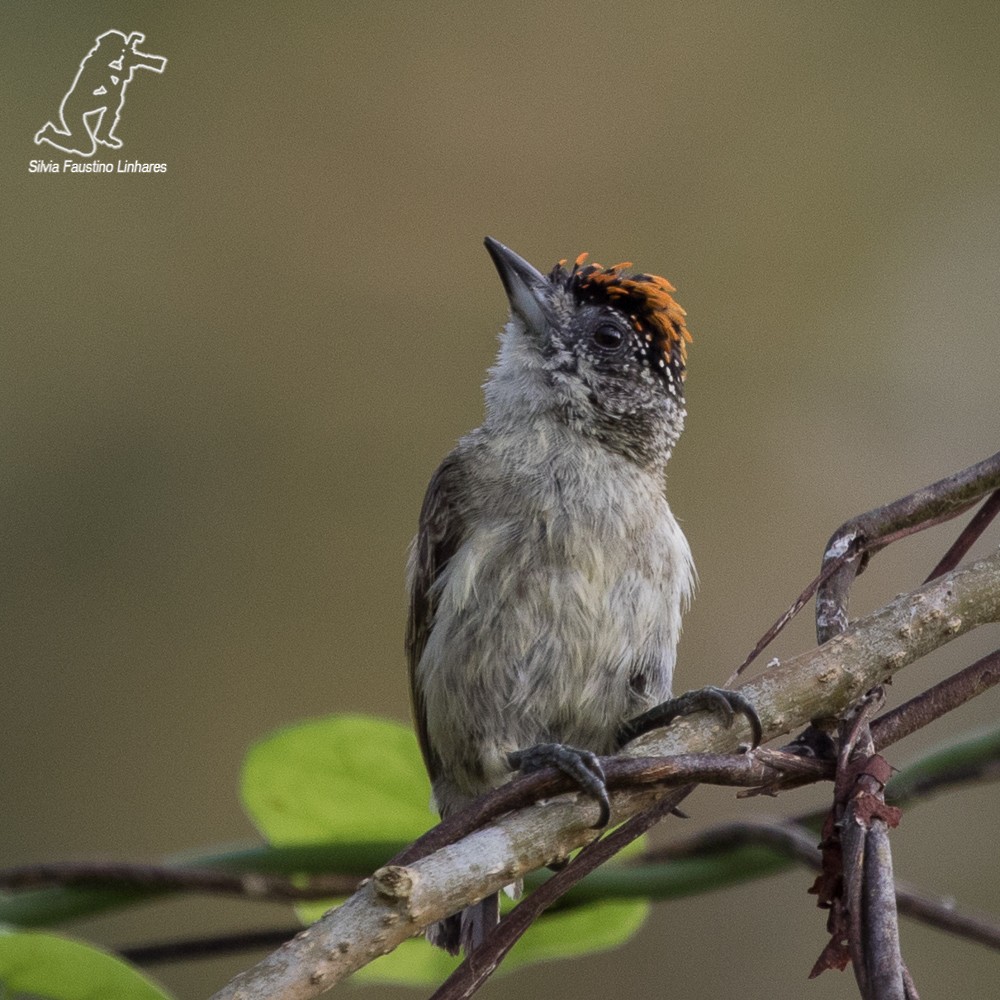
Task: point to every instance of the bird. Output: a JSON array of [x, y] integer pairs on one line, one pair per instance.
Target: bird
[[548, 576]]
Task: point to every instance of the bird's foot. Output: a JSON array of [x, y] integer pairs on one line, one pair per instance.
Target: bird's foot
[[707, 699], [580, 765]]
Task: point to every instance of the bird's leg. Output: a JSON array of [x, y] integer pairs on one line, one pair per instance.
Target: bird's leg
[[581, 765], [707, 699]]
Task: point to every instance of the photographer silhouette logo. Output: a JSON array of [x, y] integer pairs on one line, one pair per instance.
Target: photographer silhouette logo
[[92, 108]]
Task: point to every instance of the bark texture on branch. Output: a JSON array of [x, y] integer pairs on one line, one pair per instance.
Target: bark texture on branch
[[400, 900]]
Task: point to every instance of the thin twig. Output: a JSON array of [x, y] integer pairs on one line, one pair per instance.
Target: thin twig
[[945, 916], [797, 841], [184, 949], [797, 605], [936, 701], [115, 874], [967, 538]]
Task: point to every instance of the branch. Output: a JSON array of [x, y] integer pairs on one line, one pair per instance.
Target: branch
[[796, 842], [129, 875], [715, 858], [863, 536], [399, 900], [43, 907], [259, 873]]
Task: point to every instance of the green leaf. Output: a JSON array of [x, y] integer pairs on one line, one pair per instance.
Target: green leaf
[[345, 777], [352, 778], [413, 963], [582, 930], [58, 968]]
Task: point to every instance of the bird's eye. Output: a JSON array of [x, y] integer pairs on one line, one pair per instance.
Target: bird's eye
[[608, 336]]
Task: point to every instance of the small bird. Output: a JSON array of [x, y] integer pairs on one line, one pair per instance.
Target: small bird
[[548, 576]]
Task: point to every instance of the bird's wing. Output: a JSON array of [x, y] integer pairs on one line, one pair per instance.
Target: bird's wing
[[440, 534]]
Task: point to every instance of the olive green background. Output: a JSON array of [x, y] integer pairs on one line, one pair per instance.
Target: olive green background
[[224, 388]]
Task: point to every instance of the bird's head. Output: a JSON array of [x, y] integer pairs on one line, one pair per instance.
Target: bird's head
[[601, 349]]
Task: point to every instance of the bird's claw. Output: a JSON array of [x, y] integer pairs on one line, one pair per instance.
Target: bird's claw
[[727, 703], [582, 766]]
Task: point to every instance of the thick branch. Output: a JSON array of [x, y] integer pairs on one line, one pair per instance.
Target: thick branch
[[399, 900]]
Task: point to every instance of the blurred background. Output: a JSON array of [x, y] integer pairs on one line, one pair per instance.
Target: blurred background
[[225, 387]]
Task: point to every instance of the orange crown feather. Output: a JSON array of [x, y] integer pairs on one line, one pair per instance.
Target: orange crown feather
[[644, 298]]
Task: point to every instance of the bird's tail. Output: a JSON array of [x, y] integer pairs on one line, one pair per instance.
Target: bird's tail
[[466, 930]]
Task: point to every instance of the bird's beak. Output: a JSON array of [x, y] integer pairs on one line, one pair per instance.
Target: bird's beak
[[526, 287]]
